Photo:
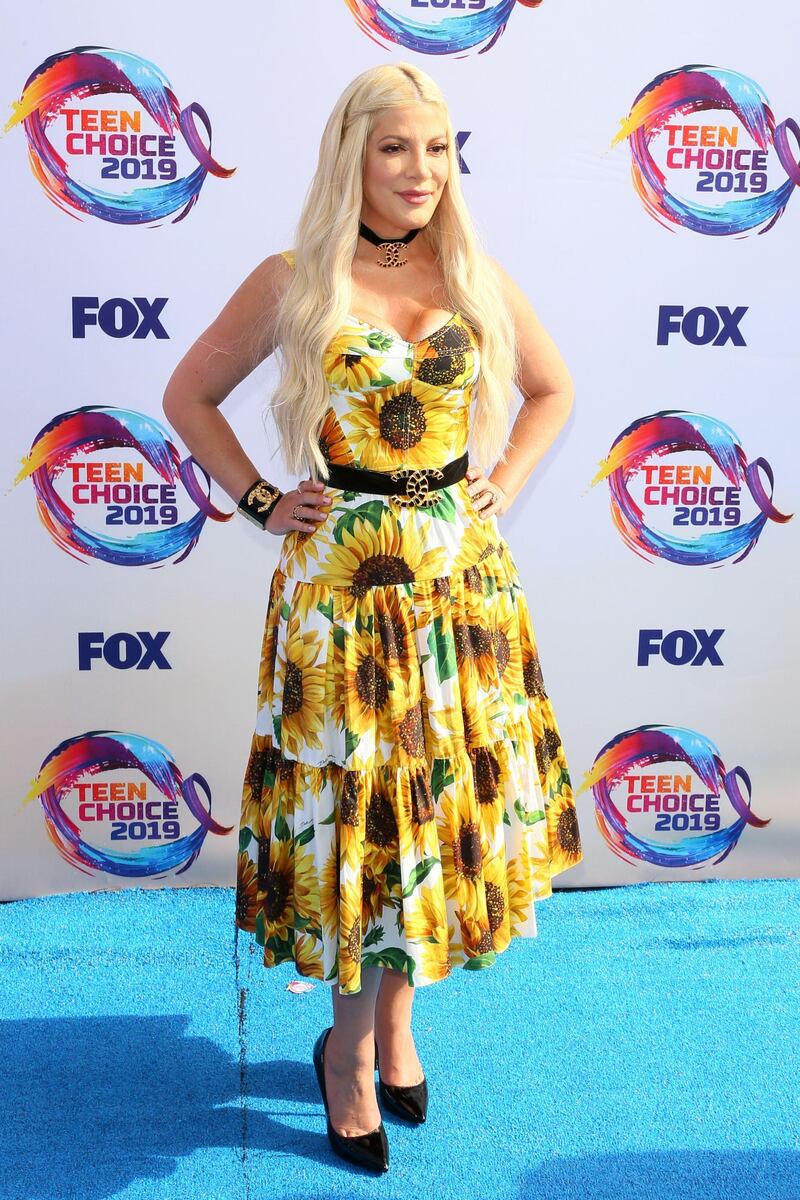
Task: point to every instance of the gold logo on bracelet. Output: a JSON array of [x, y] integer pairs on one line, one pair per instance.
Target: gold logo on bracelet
[[264, 494], [417, 487]]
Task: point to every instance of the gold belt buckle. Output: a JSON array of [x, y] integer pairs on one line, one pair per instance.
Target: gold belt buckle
[[417, 493]]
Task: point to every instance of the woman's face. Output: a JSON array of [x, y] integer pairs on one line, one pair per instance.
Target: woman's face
[[406, 154]]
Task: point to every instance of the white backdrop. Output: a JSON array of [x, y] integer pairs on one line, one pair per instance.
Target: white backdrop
[[557, 206]]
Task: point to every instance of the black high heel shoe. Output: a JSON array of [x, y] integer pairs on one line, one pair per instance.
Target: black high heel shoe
[[369, 1150], [409, 1102]]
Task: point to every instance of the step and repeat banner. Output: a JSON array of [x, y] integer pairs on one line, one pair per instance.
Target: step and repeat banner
[[637, 173]]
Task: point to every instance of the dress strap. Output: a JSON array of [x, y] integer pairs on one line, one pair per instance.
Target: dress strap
[[289, 256]]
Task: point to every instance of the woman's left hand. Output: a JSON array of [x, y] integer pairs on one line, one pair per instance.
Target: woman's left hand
[[488, 497]]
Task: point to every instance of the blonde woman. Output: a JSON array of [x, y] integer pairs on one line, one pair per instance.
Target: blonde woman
[[407, 797]]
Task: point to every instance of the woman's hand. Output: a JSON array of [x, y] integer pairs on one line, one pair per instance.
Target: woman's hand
[[488, 498], [310, 502]]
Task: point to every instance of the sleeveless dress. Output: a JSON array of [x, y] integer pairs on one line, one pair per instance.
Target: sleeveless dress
[[407, 797]]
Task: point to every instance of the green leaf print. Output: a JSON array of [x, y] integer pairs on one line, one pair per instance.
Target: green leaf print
[[480, 960], [392, 875], [374, 936], [371, 512], [350, 495], [303, 838], [391, 957], [380, 340], [489, 585], [443, 648], [326, 608], [285, 610], [528, 818], [334, 971], [245, 837], [351, 740], [445, 507], [261, 932], [339, 637], [506, 818], [440, 777], [362, 626], [418, 874], [282, 831]]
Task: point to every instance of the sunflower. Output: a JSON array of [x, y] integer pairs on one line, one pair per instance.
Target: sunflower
[[306, 886], [246, 892], [350, 937], [302, 687], [519, 892], [463, 851], [403, 425], [329, 892], [496, 888], [369, 557], [275, 890], [425, 924], [261, 756], [375, 895], [563, 833], [505, 642], [476, 545], [381, 833], [366, 685], [489, 773], [350, 820], [308, 955], [332, 442], [347, 363]]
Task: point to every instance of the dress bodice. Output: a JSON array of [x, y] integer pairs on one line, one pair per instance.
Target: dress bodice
[[394, 404]]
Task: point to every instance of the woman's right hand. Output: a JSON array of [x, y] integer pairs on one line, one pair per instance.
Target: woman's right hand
[[313, 505]]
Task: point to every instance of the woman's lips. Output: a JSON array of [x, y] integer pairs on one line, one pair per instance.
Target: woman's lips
[[415, 197]]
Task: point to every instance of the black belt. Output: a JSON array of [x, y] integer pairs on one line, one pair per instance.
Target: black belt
[[414, 485]]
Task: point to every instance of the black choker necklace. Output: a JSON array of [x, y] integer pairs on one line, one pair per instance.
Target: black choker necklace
[[389, 246]]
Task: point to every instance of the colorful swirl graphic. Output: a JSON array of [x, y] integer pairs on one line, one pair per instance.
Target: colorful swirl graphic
[[103, 750], [669, 432], [649, 744], [693, 89], [86, 430], [96, 70], [449, 35]]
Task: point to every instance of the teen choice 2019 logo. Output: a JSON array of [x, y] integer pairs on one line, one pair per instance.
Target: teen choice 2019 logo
[[436, 26], [666, 780], [706, 153], [682, 489], [107, 484], [108, 138], [131, 822]]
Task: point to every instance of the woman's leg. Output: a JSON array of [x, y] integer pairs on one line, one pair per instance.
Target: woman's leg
[[350, 1058], [399, 1064]]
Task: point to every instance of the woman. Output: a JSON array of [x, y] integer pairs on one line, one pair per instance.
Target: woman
[[407, 795]]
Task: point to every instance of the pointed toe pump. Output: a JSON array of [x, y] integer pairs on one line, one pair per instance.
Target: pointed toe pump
[[370, 1150], [408, 1102]]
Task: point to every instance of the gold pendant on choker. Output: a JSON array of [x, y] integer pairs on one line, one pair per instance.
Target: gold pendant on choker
[[391, 254]]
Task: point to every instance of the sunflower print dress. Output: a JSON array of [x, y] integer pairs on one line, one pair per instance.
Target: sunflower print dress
[[407, 798]]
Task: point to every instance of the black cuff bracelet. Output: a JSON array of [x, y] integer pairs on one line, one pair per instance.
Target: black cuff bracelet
[[258, 502]]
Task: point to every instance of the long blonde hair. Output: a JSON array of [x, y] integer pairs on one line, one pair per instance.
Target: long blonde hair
[[318, 298]]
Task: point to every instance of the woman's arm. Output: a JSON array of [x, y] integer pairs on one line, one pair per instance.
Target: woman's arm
[[547, 393], [214, 365]]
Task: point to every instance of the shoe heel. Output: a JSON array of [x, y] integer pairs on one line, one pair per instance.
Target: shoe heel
[[408, 1102], [370, 1150]]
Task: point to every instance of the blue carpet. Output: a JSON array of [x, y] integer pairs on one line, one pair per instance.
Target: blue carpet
[[645, 1045]]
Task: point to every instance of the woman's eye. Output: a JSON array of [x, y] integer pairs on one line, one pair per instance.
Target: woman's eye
[[441, 147]]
